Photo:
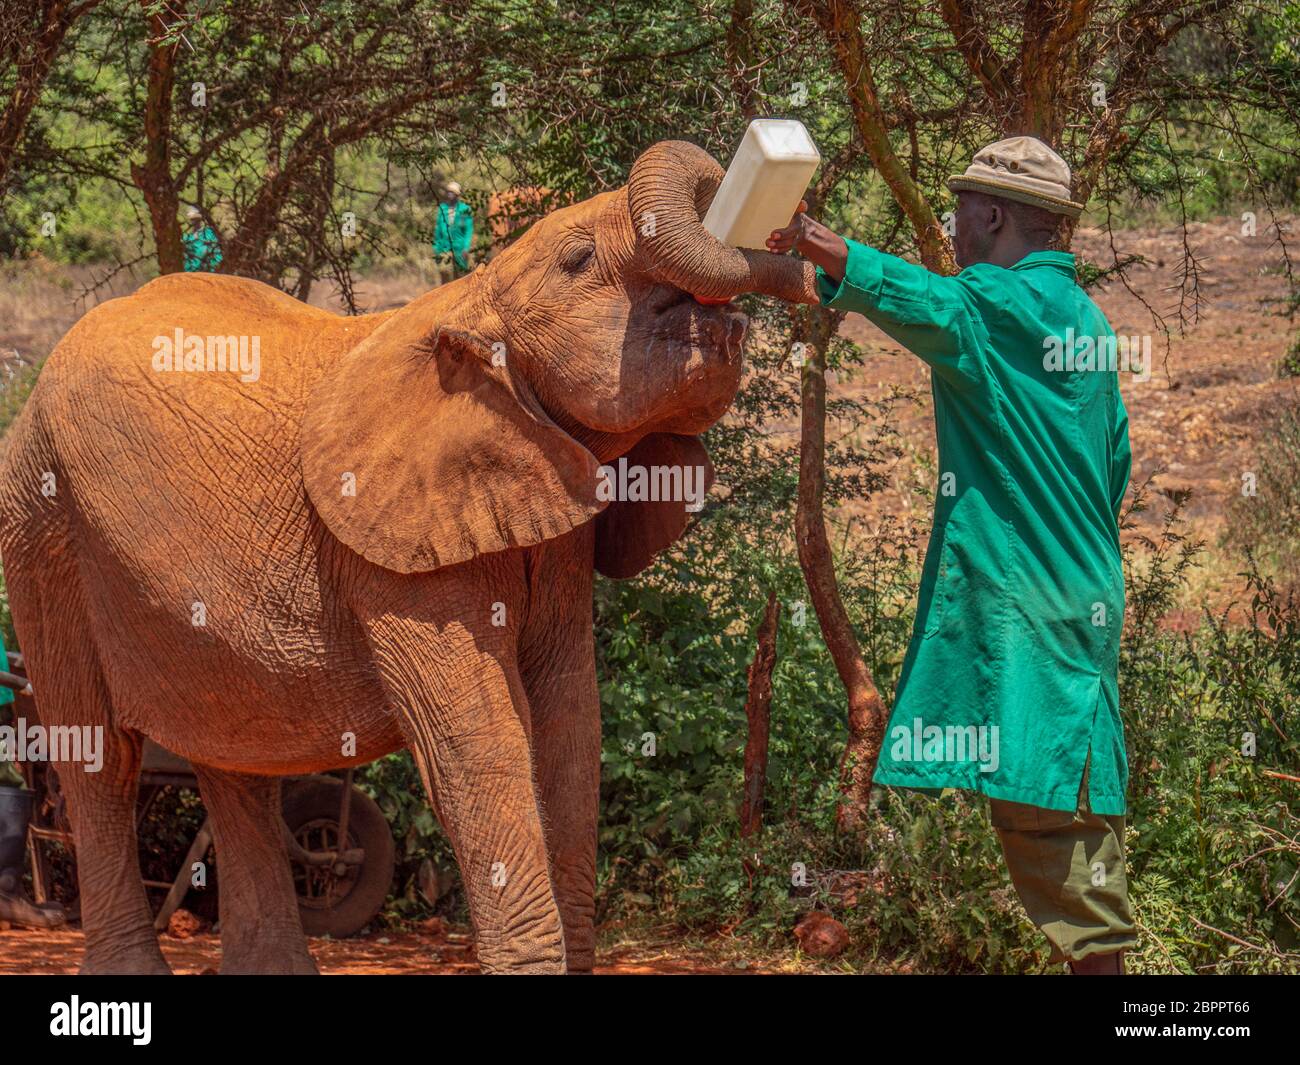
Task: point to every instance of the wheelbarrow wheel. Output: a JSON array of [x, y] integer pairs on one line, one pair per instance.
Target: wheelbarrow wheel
[[337, 901]]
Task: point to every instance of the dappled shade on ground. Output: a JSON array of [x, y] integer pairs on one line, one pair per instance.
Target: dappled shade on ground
[[58, 951]]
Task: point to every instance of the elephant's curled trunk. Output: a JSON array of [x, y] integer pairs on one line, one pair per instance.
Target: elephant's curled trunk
[[668, 192]]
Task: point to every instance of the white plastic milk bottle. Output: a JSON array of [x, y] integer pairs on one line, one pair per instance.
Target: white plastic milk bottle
[[764, 183]]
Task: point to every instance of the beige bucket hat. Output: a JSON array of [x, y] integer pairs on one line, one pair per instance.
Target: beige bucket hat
[[1023, 169]]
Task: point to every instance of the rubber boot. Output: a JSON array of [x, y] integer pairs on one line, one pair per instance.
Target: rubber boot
[[18, 910], [15, 907]]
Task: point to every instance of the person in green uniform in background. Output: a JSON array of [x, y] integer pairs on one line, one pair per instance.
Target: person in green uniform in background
[[453, 231], [15, 815], [202, 248], [6, 694], [1010, 683]]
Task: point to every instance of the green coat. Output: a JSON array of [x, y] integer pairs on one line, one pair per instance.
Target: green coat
[[1022, 593], [202, 250], [454, 236], [6, 694]]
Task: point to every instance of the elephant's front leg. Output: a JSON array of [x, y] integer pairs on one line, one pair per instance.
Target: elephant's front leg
[[558, 665], [456, 686]]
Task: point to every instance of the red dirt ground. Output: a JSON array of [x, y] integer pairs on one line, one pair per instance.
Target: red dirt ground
[[58, 952]]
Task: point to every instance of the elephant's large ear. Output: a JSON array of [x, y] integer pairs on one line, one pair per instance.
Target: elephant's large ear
[[629, 533], [421, 453]]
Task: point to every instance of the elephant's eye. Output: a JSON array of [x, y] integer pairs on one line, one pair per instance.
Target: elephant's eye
[[577, 258]]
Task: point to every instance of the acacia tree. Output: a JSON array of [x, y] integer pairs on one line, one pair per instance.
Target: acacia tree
[[248, 104], [153, 177], [244, 107], [31, 38]]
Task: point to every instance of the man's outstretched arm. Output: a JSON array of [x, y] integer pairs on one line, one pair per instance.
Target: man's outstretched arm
[[931, 315]]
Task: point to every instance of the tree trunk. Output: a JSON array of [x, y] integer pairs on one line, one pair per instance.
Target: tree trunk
[[1049, 65], [758, 712], [153, 177], [866, 711]]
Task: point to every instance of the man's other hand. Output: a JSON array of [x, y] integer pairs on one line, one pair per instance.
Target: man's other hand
[[814, 241], [782, 240]]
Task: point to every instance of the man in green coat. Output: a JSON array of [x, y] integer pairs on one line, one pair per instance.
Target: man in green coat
[[1009, 687], [202, 248], [453, 231]]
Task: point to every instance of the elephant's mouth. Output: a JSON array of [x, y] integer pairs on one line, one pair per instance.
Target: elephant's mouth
[[716, 330], [725, 330]]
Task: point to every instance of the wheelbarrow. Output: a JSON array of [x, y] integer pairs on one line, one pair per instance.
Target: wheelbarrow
[[340, 847]]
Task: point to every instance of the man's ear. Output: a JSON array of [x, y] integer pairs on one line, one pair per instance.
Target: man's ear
[[420, 453], [629, 533], [996, 215]]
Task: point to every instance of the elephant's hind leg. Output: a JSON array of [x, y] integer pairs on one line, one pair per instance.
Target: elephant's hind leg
[[261, 931], [99, 788], [120, 936]]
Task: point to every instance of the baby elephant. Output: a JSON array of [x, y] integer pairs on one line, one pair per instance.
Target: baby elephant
[[277, 541]]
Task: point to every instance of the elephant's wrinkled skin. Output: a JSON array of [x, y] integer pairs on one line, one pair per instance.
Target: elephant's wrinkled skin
[[385, 539]]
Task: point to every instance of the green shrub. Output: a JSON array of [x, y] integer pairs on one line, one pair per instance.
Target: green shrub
[[1212, 842], [1267, 521]]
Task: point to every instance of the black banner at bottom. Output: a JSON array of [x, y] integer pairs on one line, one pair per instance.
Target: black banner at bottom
[[403, 1014]]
